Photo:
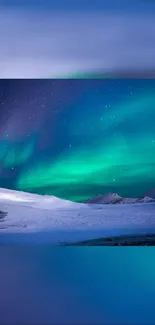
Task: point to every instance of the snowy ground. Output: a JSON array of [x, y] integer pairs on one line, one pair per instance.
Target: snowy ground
[[45, 219]]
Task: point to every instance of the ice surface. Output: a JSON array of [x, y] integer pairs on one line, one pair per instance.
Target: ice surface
[[36, 218]]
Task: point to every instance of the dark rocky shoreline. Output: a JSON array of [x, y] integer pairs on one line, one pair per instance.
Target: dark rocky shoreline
[[139, 240]]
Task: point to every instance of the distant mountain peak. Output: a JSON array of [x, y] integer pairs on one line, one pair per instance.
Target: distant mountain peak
[[114, 198], [151, 194], [105, 199]]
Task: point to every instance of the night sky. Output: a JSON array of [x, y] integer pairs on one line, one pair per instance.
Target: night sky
[[77, 138]]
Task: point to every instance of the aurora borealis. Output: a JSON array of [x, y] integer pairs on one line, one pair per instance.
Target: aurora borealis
[[78, 138]]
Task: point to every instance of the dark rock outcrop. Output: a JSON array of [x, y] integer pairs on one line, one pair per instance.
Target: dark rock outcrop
[[2, 215]]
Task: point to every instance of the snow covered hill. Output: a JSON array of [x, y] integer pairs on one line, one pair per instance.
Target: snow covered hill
[[34, 200], [33, 218]]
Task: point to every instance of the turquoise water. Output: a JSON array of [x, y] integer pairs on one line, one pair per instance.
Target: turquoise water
[[79, 285]]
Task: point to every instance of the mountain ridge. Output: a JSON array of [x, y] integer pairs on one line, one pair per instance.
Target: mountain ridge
[[114, 198]]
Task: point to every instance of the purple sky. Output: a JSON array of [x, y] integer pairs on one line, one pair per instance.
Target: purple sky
[[46, 43]]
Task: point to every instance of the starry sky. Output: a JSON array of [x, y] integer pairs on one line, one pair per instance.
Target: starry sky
[[44, 39], [77, 138]]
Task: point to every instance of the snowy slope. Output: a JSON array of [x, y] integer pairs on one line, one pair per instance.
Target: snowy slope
[[33, 200], [41, 219]]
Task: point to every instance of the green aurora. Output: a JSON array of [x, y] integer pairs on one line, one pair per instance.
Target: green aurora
[[110, 147]]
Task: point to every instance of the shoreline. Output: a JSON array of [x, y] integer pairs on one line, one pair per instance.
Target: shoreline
[[133, 240]]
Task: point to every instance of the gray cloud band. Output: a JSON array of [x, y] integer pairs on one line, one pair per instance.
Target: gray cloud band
[[49, 45]]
